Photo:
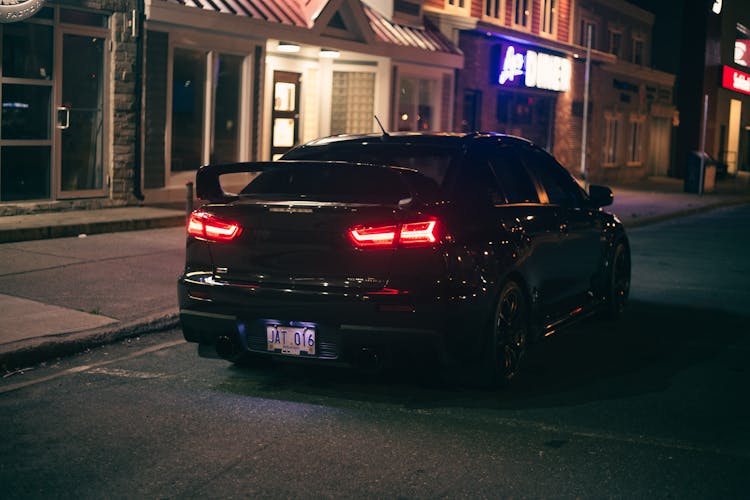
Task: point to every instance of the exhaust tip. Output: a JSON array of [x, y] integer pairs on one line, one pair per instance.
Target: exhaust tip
[[226, 349], [369, 360]]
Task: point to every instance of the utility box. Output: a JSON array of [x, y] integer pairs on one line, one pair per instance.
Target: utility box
[[701, 173]]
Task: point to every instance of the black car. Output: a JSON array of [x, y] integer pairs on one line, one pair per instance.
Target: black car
[[467, 247]]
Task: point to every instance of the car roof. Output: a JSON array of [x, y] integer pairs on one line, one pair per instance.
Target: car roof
[[416, 138]]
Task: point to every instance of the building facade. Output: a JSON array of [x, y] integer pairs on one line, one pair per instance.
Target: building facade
[[714, 91], [524, 74], [160, 87]]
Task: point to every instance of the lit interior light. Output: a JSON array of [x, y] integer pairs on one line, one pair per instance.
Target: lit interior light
[[288, 47], [404, 117], [329, 53]]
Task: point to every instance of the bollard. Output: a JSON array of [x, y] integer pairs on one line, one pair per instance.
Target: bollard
[[189, 199]]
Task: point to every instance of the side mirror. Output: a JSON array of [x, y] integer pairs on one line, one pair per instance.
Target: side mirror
[[600, 196]]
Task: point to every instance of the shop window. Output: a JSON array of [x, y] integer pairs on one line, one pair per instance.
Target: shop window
[[636, 140], [25, 173], [352, 102], [416, 104], [27, 51], [206, 110], [521, 14], [227, 85], [549, 17], [188, 101], [611, 126]]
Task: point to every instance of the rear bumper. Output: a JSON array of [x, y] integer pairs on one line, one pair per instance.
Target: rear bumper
[[447, 327]]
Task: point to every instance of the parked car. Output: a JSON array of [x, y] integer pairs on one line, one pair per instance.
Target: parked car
[[468, 247]]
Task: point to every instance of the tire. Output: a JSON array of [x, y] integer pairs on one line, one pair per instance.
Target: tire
[[618, 283], [507, 337]]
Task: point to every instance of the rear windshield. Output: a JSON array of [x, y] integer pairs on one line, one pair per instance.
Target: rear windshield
[[431, 160], [346, 183]]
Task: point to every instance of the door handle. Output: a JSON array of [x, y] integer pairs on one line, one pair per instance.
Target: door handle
[[66, 124]]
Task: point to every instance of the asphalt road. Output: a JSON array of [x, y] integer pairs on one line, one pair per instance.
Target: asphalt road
[[655, 405]]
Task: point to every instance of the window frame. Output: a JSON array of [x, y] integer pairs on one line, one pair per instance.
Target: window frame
[[528, 11], [493, 11], [212, 47], [638, 39], [586, 21], [635, 140], [548, 14], [462, 7], [611, 139], [615, 32]]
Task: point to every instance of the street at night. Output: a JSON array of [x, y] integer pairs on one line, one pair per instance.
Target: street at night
[[654, 405]]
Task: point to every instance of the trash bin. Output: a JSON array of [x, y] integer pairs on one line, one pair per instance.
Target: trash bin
[[701, 173]]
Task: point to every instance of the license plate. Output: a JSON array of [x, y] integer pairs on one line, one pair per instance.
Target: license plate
[[291, 340]]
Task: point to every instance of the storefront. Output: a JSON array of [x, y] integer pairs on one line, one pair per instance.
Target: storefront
[[156, 92], [244, 87], [514, 87], [56, 86]]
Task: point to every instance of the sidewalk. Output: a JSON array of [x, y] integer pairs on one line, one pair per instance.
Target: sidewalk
[[67, 294]]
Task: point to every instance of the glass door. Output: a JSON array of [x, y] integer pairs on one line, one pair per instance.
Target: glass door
[[80, 116], [285, 114]]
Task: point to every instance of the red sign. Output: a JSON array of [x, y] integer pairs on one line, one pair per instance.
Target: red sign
[[735, 80]]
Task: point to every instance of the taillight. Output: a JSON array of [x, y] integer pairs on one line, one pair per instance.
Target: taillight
[[409, 234], [373, 236], [415, 233], [207, 226]]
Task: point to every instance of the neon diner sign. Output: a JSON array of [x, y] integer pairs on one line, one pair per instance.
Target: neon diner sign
[[535, 69]]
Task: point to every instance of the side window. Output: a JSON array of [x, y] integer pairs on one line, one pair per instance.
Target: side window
[[560, 187], [475, 183], [513, 178]]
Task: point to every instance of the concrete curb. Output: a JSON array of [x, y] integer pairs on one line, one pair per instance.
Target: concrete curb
[[48, 232], [32, 351], [634, 222]]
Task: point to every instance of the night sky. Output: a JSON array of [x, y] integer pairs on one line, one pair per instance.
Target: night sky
[[667, 33]]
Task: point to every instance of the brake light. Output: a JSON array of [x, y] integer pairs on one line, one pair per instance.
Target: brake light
[[207, 226], [373, 236], [409, 234], [415, 233]]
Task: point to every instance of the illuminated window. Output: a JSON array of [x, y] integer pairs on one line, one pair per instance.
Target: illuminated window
[[549, 17], [352, 102], [521, 12], [416, 104], [611, 130]]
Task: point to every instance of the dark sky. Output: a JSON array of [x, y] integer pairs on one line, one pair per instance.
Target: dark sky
[[667, 32]]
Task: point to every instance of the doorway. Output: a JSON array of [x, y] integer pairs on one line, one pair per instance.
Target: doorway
[[285, 113], [53, 78], [80, 116]]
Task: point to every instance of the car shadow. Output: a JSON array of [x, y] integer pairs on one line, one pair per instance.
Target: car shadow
[[591, 361]]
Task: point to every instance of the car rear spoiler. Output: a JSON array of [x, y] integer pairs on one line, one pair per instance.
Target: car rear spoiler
[[207, 183], [208, 186]]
